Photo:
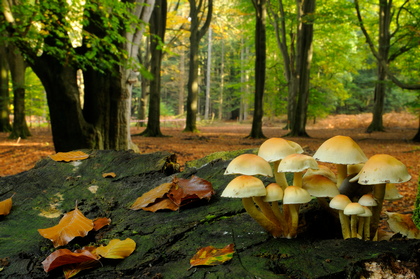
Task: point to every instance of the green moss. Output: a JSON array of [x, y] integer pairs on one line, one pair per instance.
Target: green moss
[[416, 213]]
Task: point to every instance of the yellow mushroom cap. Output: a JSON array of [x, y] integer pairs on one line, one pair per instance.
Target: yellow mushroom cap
[[367, 213], [274, 193], [340, 150], [322, 170], [244, 186], [319, 186], [296, 163], [295, 195], [367, 200], [382, 168], [354, 208], [249, 164], [391, 192], [340, 202], [275, 149]]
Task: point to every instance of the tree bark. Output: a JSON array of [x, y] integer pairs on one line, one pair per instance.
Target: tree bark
[[4, 92], [260, 64], [157, 29], [196, 34], [17, 69]]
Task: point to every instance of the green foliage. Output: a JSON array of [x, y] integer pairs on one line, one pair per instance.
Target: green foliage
[[35, 98]]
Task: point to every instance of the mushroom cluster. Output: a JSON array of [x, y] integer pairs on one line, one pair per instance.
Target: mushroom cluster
[[356, 192]]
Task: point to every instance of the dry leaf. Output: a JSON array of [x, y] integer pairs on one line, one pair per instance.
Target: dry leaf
[[162, 204], [73, 224], [109, 174], [403, 224], [73, 269], [189, 190], [69, 156], [151, 196], [62, 257], [117, 249], [5, 206], [99, 223], [212, 256]]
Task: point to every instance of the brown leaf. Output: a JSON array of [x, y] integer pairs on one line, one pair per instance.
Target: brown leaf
[[150, 197], [73, 269], [212, 256], [69, 156], [403, 224], [99, 223], [62, 257], [5, 206], [162, 204], [73, 224], [117, 249], [189, 190]]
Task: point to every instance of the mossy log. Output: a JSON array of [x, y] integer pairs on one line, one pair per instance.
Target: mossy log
[[166, 240]]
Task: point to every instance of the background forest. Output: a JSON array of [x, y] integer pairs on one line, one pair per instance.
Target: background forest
[[345, 60]]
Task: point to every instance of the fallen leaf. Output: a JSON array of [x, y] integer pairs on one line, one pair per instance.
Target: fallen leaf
[[109, 174], [99, 223], [162, 204], [188, 190], [5, 206], [403, 224], [212, 256], [69, 156], [73, 224], [117, 249], [151, 196], [62, 257], [73, 269]]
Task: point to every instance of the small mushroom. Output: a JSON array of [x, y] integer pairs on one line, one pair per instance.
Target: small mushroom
[[273, 196], [246, 187], [353, 209], [364, 223], [249, 164], [297, 163], [274, 150], [339, 203], [293, 197]]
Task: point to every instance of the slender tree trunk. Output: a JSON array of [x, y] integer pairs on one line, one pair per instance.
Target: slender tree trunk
[[222, 80], [195, 36], [4, 92], [144, 58], [208, 76], [417, 136], [17, 69], [383, 50], [303, 66], [157, 29], [260, 64]]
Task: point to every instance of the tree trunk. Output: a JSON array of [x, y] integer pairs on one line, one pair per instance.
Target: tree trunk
[[4, 92], [181, 84], [222, 80], [208, 78], [196, 33], [260, 63], [157, 29], [383, 50], [17, 69], [303, 66], [417, 136]]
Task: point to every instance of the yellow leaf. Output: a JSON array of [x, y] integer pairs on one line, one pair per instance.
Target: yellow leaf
[[117, 249], [150, 197], [5, 206], [69, 156], [109, 174], [73, 224], [212, 256]]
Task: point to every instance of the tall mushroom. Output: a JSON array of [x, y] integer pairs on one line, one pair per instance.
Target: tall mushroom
[[379, 170], [294, 196], [274, 150], [246, 187], [249, 164], [339, 203], [341, 151]]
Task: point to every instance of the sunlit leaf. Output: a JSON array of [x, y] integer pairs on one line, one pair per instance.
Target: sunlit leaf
[[117, 249], [403, 224], [73, 224], [151, 196], [62, 257], [5, 206], [212, 256], [99, 223], [69, 156]]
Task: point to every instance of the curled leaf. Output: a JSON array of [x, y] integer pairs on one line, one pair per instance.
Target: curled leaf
[[117, 249], [99, 223], [403, 224], [150, 197], [212, 256], [5, 206], [109, 175], [62, 257], [73, 224]]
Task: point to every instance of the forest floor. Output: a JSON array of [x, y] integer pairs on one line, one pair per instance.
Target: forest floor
[[20, 155]]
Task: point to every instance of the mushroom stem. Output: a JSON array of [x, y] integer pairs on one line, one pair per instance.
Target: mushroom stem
[[280, 177], [366, 229], [353, 225], [361, 226], [260, 218], [379, 194], [297, 179], [345, 224], [341, 173], [277, 212], [267, 211], [294, 220]]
